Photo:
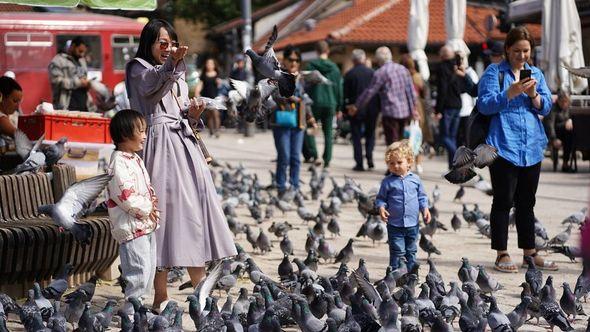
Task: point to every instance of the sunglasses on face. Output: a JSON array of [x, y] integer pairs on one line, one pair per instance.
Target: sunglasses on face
[[293, 60], [164, 45]]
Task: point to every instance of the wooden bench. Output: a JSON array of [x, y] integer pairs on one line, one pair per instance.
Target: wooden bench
[[31, 247]]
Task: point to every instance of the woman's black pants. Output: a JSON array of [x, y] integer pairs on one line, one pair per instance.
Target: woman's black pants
[[513, 186]]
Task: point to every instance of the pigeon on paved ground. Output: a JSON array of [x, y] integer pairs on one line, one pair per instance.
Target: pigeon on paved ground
[[552, 313], [518, 316], [497, 320], [428, 246], [487, 283], [533, 276], [58, 285], [345, 255], [460, 193], [568, 302]]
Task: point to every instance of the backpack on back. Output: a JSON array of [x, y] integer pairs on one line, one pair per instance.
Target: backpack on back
[[478, 124]]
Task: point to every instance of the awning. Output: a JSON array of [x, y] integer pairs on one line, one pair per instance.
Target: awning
[[97, 4], [520, 10]]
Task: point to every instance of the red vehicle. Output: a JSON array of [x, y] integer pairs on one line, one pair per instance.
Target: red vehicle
[[28, 42]]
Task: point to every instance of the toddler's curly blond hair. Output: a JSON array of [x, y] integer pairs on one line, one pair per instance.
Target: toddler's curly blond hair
[[400, 149]]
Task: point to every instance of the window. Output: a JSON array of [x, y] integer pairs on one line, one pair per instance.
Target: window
[[124, 49], [27, 51], [94, 52]]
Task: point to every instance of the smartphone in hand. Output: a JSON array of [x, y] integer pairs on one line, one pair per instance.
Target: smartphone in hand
[[525, 74]]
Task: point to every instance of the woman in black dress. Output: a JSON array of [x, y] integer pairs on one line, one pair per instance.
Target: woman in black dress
[[208, 86]]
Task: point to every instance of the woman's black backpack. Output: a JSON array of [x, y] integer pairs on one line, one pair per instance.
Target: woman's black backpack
[[478, 124]]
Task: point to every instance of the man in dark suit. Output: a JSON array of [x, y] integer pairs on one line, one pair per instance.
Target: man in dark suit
[[362, 121]]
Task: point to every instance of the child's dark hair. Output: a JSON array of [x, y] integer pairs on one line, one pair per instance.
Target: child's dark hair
[[124, 124]]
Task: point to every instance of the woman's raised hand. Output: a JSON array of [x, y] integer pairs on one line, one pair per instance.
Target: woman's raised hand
[[196, 108], [178, 53], [528, 86]]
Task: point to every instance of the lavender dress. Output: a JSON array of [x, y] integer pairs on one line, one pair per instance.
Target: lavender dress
[[193, 227]]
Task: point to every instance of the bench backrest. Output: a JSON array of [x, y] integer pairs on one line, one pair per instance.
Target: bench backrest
[[21, 195]]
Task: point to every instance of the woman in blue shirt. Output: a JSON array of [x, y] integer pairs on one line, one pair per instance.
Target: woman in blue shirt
[[517, 132]]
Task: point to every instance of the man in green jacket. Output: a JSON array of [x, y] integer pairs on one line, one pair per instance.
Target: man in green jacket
[[327, 100]]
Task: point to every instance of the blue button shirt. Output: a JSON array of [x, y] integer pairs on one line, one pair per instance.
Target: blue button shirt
[[515, 128], [403, 197]]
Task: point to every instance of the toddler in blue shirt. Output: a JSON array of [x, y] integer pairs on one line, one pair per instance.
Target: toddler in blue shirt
[[400, 200]]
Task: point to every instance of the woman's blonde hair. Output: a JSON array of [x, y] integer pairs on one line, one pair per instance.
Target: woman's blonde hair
[[399, 149]]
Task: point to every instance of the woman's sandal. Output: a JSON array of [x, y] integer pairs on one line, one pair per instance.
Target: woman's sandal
[[547, 265], [506, 267]]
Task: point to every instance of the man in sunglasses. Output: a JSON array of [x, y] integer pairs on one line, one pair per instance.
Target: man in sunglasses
[[68, 75]]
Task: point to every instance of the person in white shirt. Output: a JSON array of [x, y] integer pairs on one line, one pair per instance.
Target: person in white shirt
[[132, 205], [468, 100]]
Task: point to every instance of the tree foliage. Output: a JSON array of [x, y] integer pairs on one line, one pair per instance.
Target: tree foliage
[[211, 12]]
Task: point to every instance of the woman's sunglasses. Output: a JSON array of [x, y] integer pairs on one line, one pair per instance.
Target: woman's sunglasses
[[164, 45], [294, 60]]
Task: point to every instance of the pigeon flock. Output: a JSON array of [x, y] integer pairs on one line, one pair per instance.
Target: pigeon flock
[[237, 295], [317, 286]]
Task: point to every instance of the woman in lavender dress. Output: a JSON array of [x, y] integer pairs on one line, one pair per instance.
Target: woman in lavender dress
[[193, 229]]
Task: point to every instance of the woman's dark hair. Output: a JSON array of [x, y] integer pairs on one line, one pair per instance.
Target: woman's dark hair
[[149, 34], [515, 35], [7, 85], [289, 50], [124, 124]]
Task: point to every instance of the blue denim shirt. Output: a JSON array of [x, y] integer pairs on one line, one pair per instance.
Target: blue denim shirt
[[403, 197], [515, 128]]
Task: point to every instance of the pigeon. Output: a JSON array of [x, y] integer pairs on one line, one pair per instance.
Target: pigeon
[[334, 227], [45, 307], [487, 283], [568, 251], [126, 323], [268, 66], [89, 322], [568, 302], [285, 268], [286, 245], [576, 217], [263, 242], [581, 72], [518, 316], [206, 285], [105, 316], [551, 312], [59, 284], [533, 276], [465, 159], [497, 320], [345, 255], [428, 246], [77, 197], [34, 162], [561, 238], [435, 194], [57, 322], [24, 146], [75, 307], [53, 153], [9, 305], [460, 193], [455, 222], [3, 319], [313, 77], [325, 250], [85, 291], [215, 104]]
